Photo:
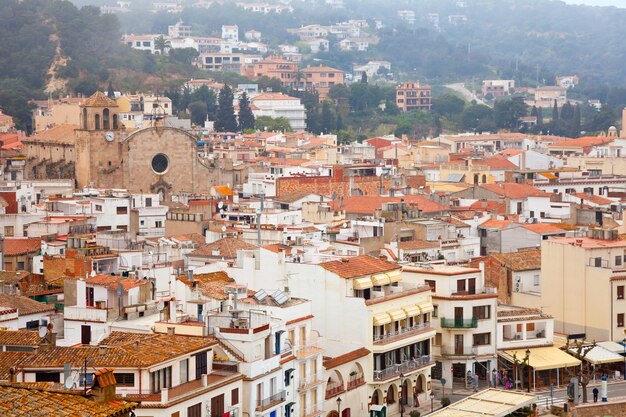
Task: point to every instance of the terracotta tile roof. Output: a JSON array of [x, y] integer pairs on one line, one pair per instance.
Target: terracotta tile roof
[[63, 134], [358, 266], [321, 68], [19, 338], [24, 305], [596, 199], [293, 197], [21, 246], [418, 244], [378, 143], [345, 358], [272, 96], [112, 281], [23, 400], [497, 163], [222, 248], [488, 205], [9, 360], [369, 204], [525, 260], [123, 350], [211, 285], [496, 224], [277, 247], [98, 99], [514, 190], [582, 142], [543, 228]]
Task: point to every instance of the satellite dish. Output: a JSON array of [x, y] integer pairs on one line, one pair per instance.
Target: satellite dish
[[50, 326], [93, 273], [220, 204], [70, 382], [223, 228], [43, 331], [160, 305]]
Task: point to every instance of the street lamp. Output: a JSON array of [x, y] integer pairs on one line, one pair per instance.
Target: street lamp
[[338, 406], [432, 402], [527, 365]]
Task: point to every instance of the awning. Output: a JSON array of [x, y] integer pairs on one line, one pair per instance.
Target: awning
[[612, 346], [455, 177], [380, 279], [488, 403], [395, 276], [548, 175], [381, 319], [543, 358], [411, 310], [425, 307], [376, 407], [362, 283], [599, 355], [397, 314]]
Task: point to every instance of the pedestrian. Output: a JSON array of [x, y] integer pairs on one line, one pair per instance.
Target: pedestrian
[[595, 394]]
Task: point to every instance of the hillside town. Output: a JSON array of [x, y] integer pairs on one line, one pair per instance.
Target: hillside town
[[204, 251]]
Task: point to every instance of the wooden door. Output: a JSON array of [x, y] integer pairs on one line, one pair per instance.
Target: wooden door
[[217, 406]]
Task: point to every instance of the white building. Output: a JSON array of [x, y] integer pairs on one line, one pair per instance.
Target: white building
[[230, 32], [277, 105]]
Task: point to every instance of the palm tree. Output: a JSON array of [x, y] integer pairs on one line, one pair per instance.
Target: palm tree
[[161, 44]]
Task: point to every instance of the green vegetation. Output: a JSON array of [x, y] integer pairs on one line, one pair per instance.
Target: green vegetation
[[246, 118], [270, 124], [225, 120]]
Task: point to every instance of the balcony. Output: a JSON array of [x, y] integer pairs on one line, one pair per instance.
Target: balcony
[[307, 350], [86, 313], [459, 351], [333, 389], [403, 333], [402, 368], [271, 401], [356, 381], [311, 381], [459, 323], [228, 366], [314, 410], [395, 292]]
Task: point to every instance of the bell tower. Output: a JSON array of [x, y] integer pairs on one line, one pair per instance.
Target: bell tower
[[99, 112]]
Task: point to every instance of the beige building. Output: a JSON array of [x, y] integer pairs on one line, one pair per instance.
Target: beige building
[[589, 277], [413, 96], [56, 112], [320, 79]]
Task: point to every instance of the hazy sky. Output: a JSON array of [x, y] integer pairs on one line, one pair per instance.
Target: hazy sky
[[617, 3]]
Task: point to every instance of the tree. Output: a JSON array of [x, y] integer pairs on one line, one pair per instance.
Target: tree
[[448, 105], [246, 117], [603, 119], [86, 86], [185, 56], [364, 78], [555, 111], [327, 123], [198, 111], [110, 91], [161, 44], [477, 118], [279, 124], [585, 372], [225, 116], [506, 112]]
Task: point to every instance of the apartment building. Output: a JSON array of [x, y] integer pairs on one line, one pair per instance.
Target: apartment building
[[413, 96], [589, 273], [464, 318], [498, 88], [280, 105], [275, 67], [320, 79]]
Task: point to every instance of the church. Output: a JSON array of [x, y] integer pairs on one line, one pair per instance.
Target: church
[[104, 154]]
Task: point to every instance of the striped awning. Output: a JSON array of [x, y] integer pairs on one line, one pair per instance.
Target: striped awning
[[411, 310], [395, 276], [380, 279], [362, 283], [381, 319], [426, 307], [398, 314]]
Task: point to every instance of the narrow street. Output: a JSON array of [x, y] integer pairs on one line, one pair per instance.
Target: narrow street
[[467, 94]]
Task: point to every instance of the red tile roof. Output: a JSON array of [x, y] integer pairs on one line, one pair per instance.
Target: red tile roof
[[418, 244], [369, 204], [24, 305], [596, 199], [21, 246], [514, 190], [345, 358], [543, 228], [582, 142], [496, 224], [223, 248], [359, 266], [113, 281]]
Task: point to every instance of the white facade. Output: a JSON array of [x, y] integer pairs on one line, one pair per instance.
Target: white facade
[[277, 105]]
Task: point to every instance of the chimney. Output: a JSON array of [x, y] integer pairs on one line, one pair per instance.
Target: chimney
[[13, 375], [171, 331], [102, 350], [103, 387]]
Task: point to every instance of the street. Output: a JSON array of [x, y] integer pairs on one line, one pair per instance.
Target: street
[[467, 95]]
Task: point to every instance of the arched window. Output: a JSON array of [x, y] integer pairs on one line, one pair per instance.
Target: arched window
[[97, 119], [476, 179], [484, 179], [105, 119], [84, 118], [115, 121]]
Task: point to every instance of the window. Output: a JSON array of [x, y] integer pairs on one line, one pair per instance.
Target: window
[[481, 339], [435, 312], [234, 397], [437, 341], [618, 260], [160, 163], [620, 292], [161, 379], [184, 371], [148, 201], [125, 379], [158, 223], [481, 312], [536, 280], [201, 364], [47, 377], [8, 231], [432, 284], [32, 325], [20, 265], [530, 327], [98, 207], [195, 410], [122, 210], [620, 320]]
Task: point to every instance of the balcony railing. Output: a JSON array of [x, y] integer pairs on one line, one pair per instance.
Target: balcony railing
[[459, 323], [356, 381], [459, 351], [311, 381], [229, 366], [402, 368], [86, 313], [314, 410], [333, 389], [272, 400], [307, 350], [390, 337], [404, 290]]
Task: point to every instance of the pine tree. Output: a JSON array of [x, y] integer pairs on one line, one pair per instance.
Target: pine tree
[[339, 123], [246, 117], [539, 117], [576, 122], [225, 117], [110, 91], [364, 78], [555, 112], [328, 121]]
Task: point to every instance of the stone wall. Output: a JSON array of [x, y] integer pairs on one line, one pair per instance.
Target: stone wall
[[613, 408]]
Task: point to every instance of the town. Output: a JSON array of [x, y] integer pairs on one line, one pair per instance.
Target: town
[[282, 238]]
